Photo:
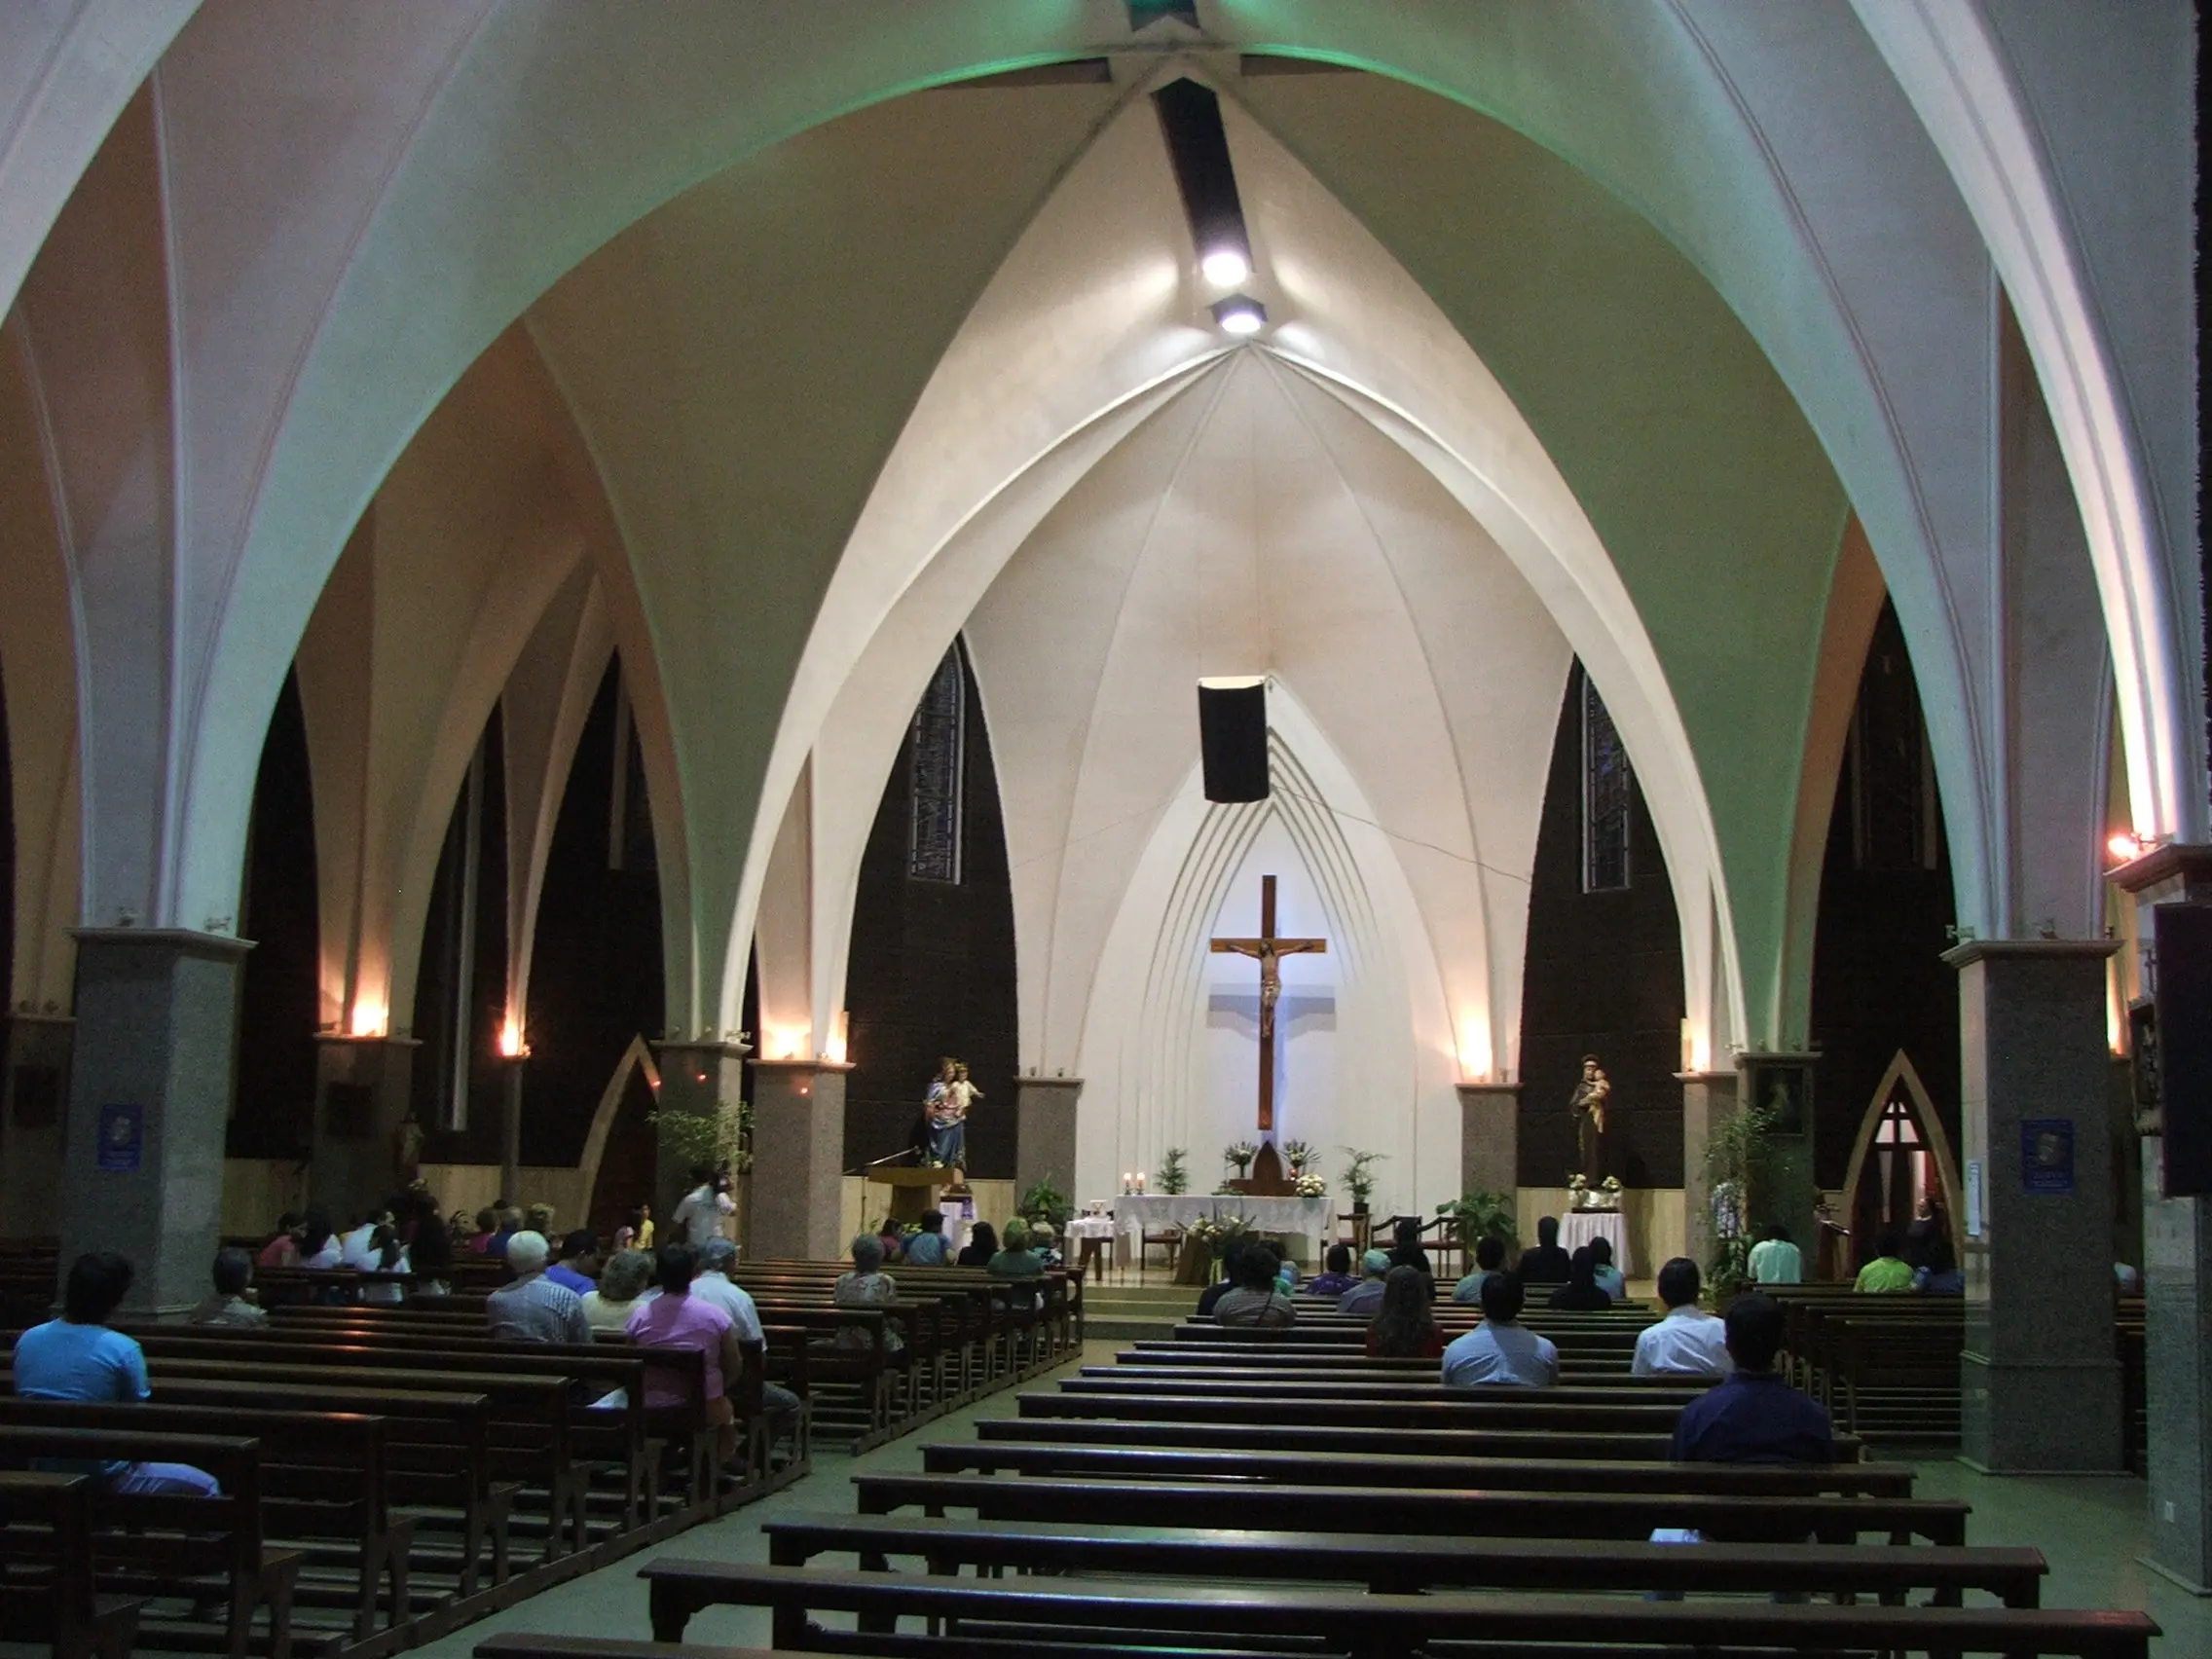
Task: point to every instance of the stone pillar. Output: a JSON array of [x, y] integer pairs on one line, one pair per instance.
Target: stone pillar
[[1709, 1101], [2039, 1381], [149, 1104], [1490, 1137], [34, 1096], [1044, 1132], [363, 1087], [695, 1076], [2177, 1285], [798, 1158], [510, 1125]]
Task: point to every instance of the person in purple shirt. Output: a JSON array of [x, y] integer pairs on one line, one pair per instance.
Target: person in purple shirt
[[1338, 1279], [1753, 1415]]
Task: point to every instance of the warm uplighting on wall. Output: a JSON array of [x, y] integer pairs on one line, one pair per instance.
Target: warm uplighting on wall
[[511, 1044], [2126, 847], [834, 1053], [787, 1041], [1475, 1055], [370, 1020], [1697, 1048]]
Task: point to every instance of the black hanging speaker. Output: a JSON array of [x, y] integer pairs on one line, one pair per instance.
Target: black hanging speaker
[[2182, 935], [1233, 737]]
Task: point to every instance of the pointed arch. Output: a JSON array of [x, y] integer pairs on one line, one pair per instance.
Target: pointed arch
[[1930, 1122]]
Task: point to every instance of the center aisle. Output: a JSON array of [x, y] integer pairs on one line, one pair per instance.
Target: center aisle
[[611, 1601]]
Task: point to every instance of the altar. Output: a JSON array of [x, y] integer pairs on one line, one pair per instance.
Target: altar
[[1576, 1228], [1309, 1219]]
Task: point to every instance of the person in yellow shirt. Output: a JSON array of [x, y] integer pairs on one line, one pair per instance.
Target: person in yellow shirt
[[1888, 1270]]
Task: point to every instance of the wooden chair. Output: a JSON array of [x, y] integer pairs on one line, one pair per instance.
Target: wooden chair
[[1168, 1239]]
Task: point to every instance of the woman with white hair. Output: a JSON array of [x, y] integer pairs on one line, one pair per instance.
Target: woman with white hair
[[621, 1281], [868, 1285]]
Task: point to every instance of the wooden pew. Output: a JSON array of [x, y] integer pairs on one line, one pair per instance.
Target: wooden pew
[[1460, 1513], [323, 1482], [148, 1544], [1384, 1627], [1389, 1564], [1494, 1407], [1262, 1436], [1360, 1468], [48, 1592]]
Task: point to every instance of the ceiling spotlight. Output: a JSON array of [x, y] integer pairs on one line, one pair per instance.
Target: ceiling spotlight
[[1240, 314], [1226, 267]]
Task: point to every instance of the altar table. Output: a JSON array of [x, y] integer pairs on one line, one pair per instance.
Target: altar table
[[1311, 1219], [1091, 1239], [1576, 1228]]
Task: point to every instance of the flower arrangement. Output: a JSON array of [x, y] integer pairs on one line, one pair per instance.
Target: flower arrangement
[[1613, 1185], [1240, 1154], [1214, 1233], [1174, 1174], [1300, 1156], [1311, 1186]]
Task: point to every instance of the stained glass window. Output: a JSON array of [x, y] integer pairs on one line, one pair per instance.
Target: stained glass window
[[933, 847], [1605, 796]]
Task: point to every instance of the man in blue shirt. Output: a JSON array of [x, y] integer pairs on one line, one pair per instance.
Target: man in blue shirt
[[1753, 1417], [578, 1270], [1501, 1350], [77, 1357]]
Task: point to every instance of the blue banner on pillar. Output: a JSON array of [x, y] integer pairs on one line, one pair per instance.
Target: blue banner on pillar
[[2047, 1155], [123, 1138]]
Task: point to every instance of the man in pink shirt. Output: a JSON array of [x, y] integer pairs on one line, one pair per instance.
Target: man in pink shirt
[[678, 1319]]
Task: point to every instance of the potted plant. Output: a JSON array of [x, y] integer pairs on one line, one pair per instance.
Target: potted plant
[[1476, 1216], [1045, 1203], [1736, 1158], [1240, 1154], [1359, 1176], [1173, 1175]]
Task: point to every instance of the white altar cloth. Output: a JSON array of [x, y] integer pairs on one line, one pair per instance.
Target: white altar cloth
[[1576, 1228], [1311, 1218], [1091, 1227]]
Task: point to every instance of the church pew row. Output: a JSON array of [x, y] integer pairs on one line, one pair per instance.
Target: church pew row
[[209, 1551], [978, 1613], [1460, 1512], [1388, 1563], [1262, 1435], [323, 1488], [1410, 1470], [48, 1591]]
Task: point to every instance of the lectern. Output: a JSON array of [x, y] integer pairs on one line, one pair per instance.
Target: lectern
[[915, 1186]]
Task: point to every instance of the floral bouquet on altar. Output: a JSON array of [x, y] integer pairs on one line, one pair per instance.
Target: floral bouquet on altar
[[1240, 1154], [1204, 1239], [1312, 1187]]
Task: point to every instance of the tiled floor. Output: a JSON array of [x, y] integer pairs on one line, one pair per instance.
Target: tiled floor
[[2091, 1529]]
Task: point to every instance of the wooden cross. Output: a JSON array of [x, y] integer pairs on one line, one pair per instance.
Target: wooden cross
[[1269, 950]]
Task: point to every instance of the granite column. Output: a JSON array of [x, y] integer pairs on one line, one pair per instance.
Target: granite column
[[2040, 1379], [1490, 1137], [149, 1105], [1044, 1129], [364, 1087], [798, 1158]]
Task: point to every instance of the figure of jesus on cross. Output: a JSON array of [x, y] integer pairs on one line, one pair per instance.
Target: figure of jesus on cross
[[1269, 950]]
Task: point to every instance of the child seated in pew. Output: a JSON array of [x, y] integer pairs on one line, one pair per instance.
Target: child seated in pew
[[385, 1256], [1580, 1294], [1889, 1271], [233, 1301], [284, 1250], [928, 1248], [77, 1357]]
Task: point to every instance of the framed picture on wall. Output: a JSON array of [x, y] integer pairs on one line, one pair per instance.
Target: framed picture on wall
[[1784, 1087]]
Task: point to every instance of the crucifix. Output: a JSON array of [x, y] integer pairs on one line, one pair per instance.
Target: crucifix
[[1269, 950]]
